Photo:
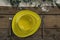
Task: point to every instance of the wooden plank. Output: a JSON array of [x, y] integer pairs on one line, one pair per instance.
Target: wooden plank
[[10, 10], [51, 21], [4, 22]]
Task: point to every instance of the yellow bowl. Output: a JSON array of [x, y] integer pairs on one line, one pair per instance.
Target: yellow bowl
[[25, 23]]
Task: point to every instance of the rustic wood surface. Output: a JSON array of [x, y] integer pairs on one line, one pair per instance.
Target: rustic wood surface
[[51, 24]]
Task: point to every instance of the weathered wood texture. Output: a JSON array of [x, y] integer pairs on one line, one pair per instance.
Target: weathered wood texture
[[51, 23]]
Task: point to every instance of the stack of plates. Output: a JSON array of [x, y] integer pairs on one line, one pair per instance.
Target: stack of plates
[[25, 23]]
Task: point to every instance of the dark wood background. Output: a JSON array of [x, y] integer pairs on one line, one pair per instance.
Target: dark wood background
[[49, 29]]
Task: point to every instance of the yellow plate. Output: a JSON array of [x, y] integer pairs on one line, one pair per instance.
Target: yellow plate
[[25, 23]]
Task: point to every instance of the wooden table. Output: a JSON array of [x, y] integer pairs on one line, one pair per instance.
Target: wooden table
[[49, 29]]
